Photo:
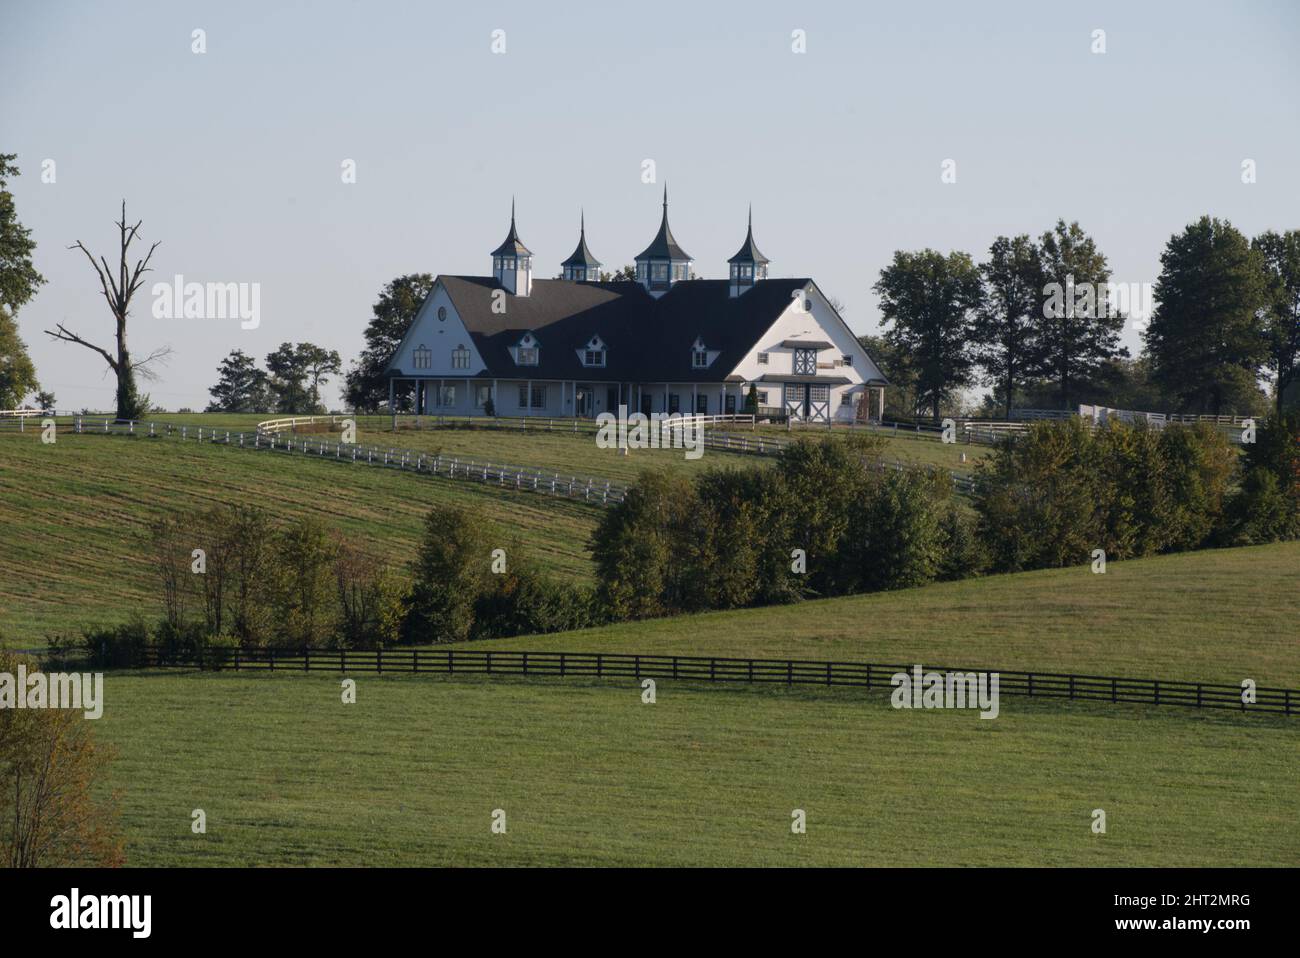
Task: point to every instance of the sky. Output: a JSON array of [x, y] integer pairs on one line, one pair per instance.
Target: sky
[[234, 157]]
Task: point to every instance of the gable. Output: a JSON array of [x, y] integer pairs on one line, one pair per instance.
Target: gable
[[436, 343]]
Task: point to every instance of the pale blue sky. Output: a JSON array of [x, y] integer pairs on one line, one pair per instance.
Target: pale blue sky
[[232, 158]]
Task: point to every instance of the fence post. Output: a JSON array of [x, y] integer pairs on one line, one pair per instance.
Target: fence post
[[236, 658], [599, 668], [1156, 685], [789, 672], [561, 665], [306, 658], [379, 660], [451, 661], [1112, 691], [525, 663]]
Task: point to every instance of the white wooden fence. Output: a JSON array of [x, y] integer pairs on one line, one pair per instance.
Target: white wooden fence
[[503, 475]]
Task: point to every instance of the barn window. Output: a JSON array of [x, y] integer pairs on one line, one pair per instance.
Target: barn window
[[422, 357], [460, 358]]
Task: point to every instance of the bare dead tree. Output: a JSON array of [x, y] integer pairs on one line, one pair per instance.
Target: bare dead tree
[[118, 291]]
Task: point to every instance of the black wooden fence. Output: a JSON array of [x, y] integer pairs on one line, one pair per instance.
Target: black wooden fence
[[1100, 688]]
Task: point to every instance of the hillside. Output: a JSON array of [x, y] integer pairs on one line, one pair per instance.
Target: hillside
[[1214, 615], [71, 515]]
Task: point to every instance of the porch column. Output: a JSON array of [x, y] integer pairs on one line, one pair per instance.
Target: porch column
[[391, 411], [496, 410], [880, 408], [528, 406], [695, 399]]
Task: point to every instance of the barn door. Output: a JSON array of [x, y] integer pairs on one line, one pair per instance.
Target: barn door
[[795, 401], [819, 403]]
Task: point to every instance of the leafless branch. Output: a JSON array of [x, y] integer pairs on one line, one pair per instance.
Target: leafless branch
[[68, 336]]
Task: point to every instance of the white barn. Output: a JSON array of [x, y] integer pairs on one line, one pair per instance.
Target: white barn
[[661, 343]]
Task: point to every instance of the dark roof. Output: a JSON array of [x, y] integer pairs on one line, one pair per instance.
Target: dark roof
[[512, 246], [664, 246], [805, 344], [748, 252], [564, 315], [582, 256]]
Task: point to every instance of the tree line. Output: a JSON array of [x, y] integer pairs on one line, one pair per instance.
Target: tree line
[[290, 383], [1036, 323]]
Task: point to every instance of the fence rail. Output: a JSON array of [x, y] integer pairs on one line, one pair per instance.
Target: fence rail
[[504, 475], [865, 675]]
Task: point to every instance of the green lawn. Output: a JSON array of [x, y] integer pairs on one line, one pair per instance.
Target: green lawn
[[1219, 615], [556, 451], [71, 514], [589, 775]]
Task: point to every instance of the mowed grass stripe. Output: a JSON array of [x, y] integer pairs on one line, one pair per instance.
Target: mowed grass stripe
[[411, 773]]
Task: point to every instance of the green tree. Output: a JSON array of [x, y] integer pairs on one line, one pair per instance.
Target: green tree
[[366, 388], [1079, 333], [17, 374], [450, 574], [1281, 258], [296, 372], [637, 548], [1006, 331], [929, 299], [320, 363], [306, 597], [19, 279], [900, 397], [1205, 340], [242, 386]]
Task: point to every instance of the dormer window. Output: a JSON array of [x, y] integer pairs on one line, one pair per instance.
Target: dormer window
[[526, 351], [699, 355], [460, 358], [422, 357], [592, 353]]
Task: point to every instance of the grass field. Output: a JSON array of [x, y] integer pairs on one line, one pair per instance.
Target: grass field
[[1218, 615], [71, 514], [587, 774]]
